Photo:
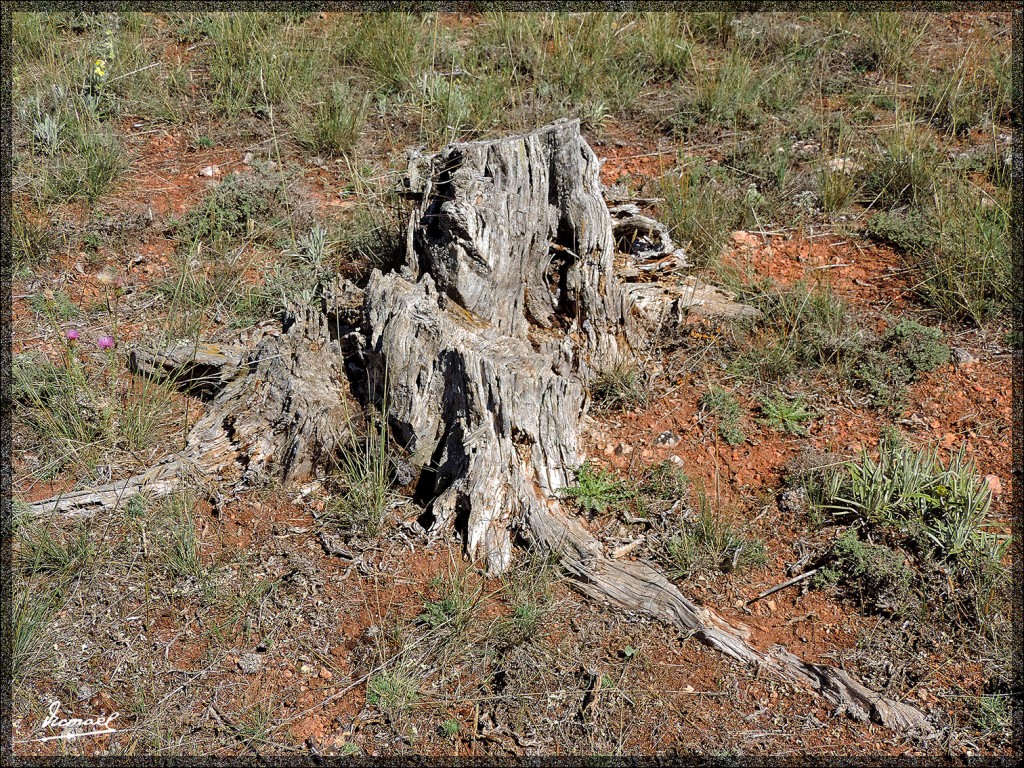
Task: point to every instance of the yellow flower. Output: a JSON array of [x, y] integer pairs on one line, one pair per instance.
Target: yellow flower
[[99, 71]]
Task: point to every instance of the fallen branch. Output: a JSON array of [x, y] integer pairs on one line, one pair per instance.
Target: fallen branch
[[783, 585]]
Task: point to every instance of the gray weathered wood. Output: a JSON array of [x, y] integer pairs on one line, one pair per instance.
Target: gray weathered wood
[[480, 350], [287, 414]]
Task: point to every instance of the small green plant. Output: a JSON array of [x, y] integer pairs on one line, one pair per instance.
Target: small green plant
[[393, 691], [888, 41], [726, 410], [940, 507], [528, 591], [57, 306], [363, 473], [596, 489], [904, 169], [619, 388], [701, 208], [786, 414], [454, 611], [884, 368], [665, 482], [918, 347], [450, 728], [992, 713], [242, 205], [31, 239], [880, 576]]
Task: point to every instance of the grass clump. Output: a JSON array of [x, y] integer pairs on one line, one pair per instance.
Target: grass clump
[[702, 207], [32, 610], [709, 542], [456, 606], [363, 473], [89, 171], [723, 406], [621, 387], [596, 489], [336, 123], [802, 327], [394, 691]]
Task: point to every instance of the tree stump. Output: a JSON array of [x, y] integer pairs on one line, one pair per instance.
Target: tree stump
[[480, 349]]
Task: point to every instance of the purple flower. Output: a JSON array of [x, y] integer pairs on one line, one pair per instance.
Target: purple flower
[[71, 334], [105, 342]]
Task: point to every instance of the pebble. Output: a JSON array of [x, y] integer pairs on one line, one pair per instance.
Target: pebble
[[250, 663], [210, 171], [667, 438], [994, 485], [326, 674], [623, 449]]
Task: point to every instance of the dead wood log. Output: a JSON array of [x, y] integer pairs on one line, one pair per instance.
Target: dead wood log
[[281, 413], [480, 349]]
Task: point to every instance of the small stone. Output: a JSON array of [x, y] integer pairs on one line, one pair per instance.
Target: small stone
[[675, 460], [247, 160], [326, 674], [994, 485], [667, 438], [305, 669], [250, 663], [210, 171], [963, 356], [623, 449]]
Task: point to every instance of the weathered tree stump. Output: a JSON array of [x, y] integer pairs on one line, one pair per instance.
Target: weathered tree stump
[[479, 351]]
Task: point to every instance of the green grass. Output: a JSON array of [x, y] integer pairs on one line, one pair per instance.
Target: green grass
[[455, 609], [337, 121], [621, 387], [58, 553], [362, 476], [395, 692], [711, 543], [726, 412], [83, 411], [32, 610], [180, 546]]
